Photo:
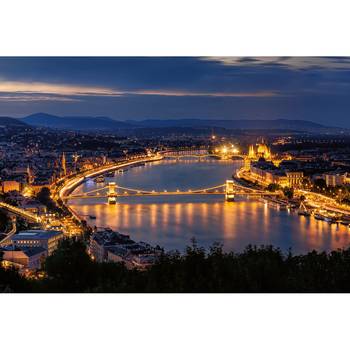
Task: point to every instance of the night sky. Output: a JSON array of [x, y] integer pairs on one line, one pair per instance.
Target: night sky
[[316, 89]]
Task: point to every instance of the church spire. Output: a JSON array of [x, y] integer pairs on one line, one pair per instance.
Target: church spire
[[64, 166], [29, 175]]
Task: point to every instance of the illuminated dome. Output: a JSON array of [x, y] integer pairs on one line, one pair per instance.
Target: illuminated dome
[[263, 150], [251, 153]]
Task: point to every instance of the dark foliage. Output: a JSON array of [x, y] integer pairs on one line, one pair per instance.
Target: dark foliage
[[256, 269], [44, 197], [11, 281], [4, 221], [273, 187]]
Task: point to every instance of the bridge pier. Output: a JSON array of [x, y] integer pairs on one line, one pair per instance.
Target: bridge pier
[[112, 194], [229, 189]]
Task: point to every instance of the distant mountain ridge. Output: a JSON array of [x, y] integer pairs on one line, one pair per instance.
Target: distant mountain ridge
[[73, 123], [106, 123], [248, 124], [8, 121]]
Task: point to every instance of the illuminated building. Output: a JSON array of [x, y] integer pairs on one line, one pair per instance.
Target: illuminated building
[[227, 151], [251, 153], [335, 179], [264, 151], [28, 258], [38, 238], [294, 178], [264, 167], [8, 186], [261, 150], [265, 172], [108, 245]]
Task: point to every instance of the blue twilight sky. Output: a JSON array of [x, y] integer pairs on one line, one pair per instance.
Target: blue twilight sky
[[311, 88]]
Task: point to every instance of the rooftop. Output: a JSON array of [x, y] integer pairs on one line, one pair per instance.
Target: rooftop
[[36, 234], [27, 251]]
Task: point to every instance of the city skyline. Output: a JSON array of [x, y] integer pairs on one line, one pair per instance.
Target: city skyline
[[307, 88]]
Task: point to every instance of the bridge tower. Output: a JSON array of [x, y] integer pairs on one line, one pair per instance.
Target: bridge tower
[[230, 192], [112, 193]]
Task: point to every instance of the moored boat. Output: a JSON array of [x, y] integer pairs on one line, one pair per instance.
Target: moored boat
[[319, 217], [99, 179], [303, 210]]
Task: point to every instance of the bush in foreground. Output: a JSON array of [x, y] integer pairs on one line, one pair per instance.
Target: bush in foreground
[[256, 269]]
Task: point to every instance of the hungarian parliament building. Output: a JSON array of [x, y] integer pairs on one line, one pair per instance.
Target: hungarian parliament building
[[267, 168]]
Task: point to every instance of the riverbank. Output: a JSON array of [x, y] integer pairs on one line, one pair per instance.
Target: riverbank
[[172, 221]]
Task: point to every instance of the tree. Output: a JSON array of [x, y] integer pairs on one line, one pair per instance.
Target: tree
[[69, 268], [4, 221], [273, 187], [319, 185], [288, 192], [306, 183], [44, 197]]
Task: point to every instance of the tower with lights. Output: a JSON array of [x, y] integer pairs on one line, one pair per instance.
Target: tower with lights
[[64, 165]]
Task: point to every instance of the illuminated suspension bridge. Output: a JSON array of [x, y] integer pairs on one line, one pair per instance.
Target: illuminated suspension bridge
[[112, 191], [199, 154], [20, 212]]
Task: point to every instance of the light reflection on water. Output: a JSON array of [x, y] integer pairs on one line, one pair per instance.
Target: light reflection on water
[[172, 221]]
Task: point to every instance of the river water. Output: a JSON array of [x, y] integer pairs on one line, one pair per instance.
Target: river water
[[172, 221]]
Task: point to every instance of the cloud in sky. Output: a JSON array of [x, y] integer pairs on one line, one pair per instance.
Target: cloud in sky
[[313, 88], [287, 62], [35, 98], [23, 87], [40, 91], [186, 93]]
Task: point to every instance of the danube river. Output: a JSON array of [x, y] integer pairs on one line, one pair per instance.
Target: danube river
[[172, 221]]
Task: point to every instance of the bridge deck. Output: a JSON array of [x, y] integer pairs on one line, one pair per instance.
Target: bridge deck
[[21, 212], [165, 194]]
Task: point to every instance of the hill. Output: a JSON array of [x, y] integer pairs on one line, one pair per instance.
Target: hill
[[243, 124], [110, 124], [11, 122], [74, 123]]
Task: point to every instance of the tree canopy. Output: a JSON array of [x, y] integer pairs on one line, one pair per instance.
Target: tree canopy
[[256, 269]]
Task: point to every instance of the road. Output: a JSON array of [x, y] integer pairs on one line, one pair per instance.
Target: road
[[21, 212], [316, 200], [71, 184], [321, 201], [9, 234]]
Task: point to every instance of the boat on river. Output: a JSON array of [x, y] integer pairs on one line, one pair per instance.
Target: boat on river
[[273, 203], [319, 217], [303, 211], [329, 219], [99, 179]]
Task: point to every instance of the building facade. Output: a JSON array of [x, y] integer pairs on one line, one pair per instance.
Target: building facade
[[25, 258], [38, 238]]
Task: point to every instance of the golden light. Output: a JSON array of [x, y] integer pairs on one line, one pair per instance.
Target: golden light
[[27, 192], [224, 149]]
